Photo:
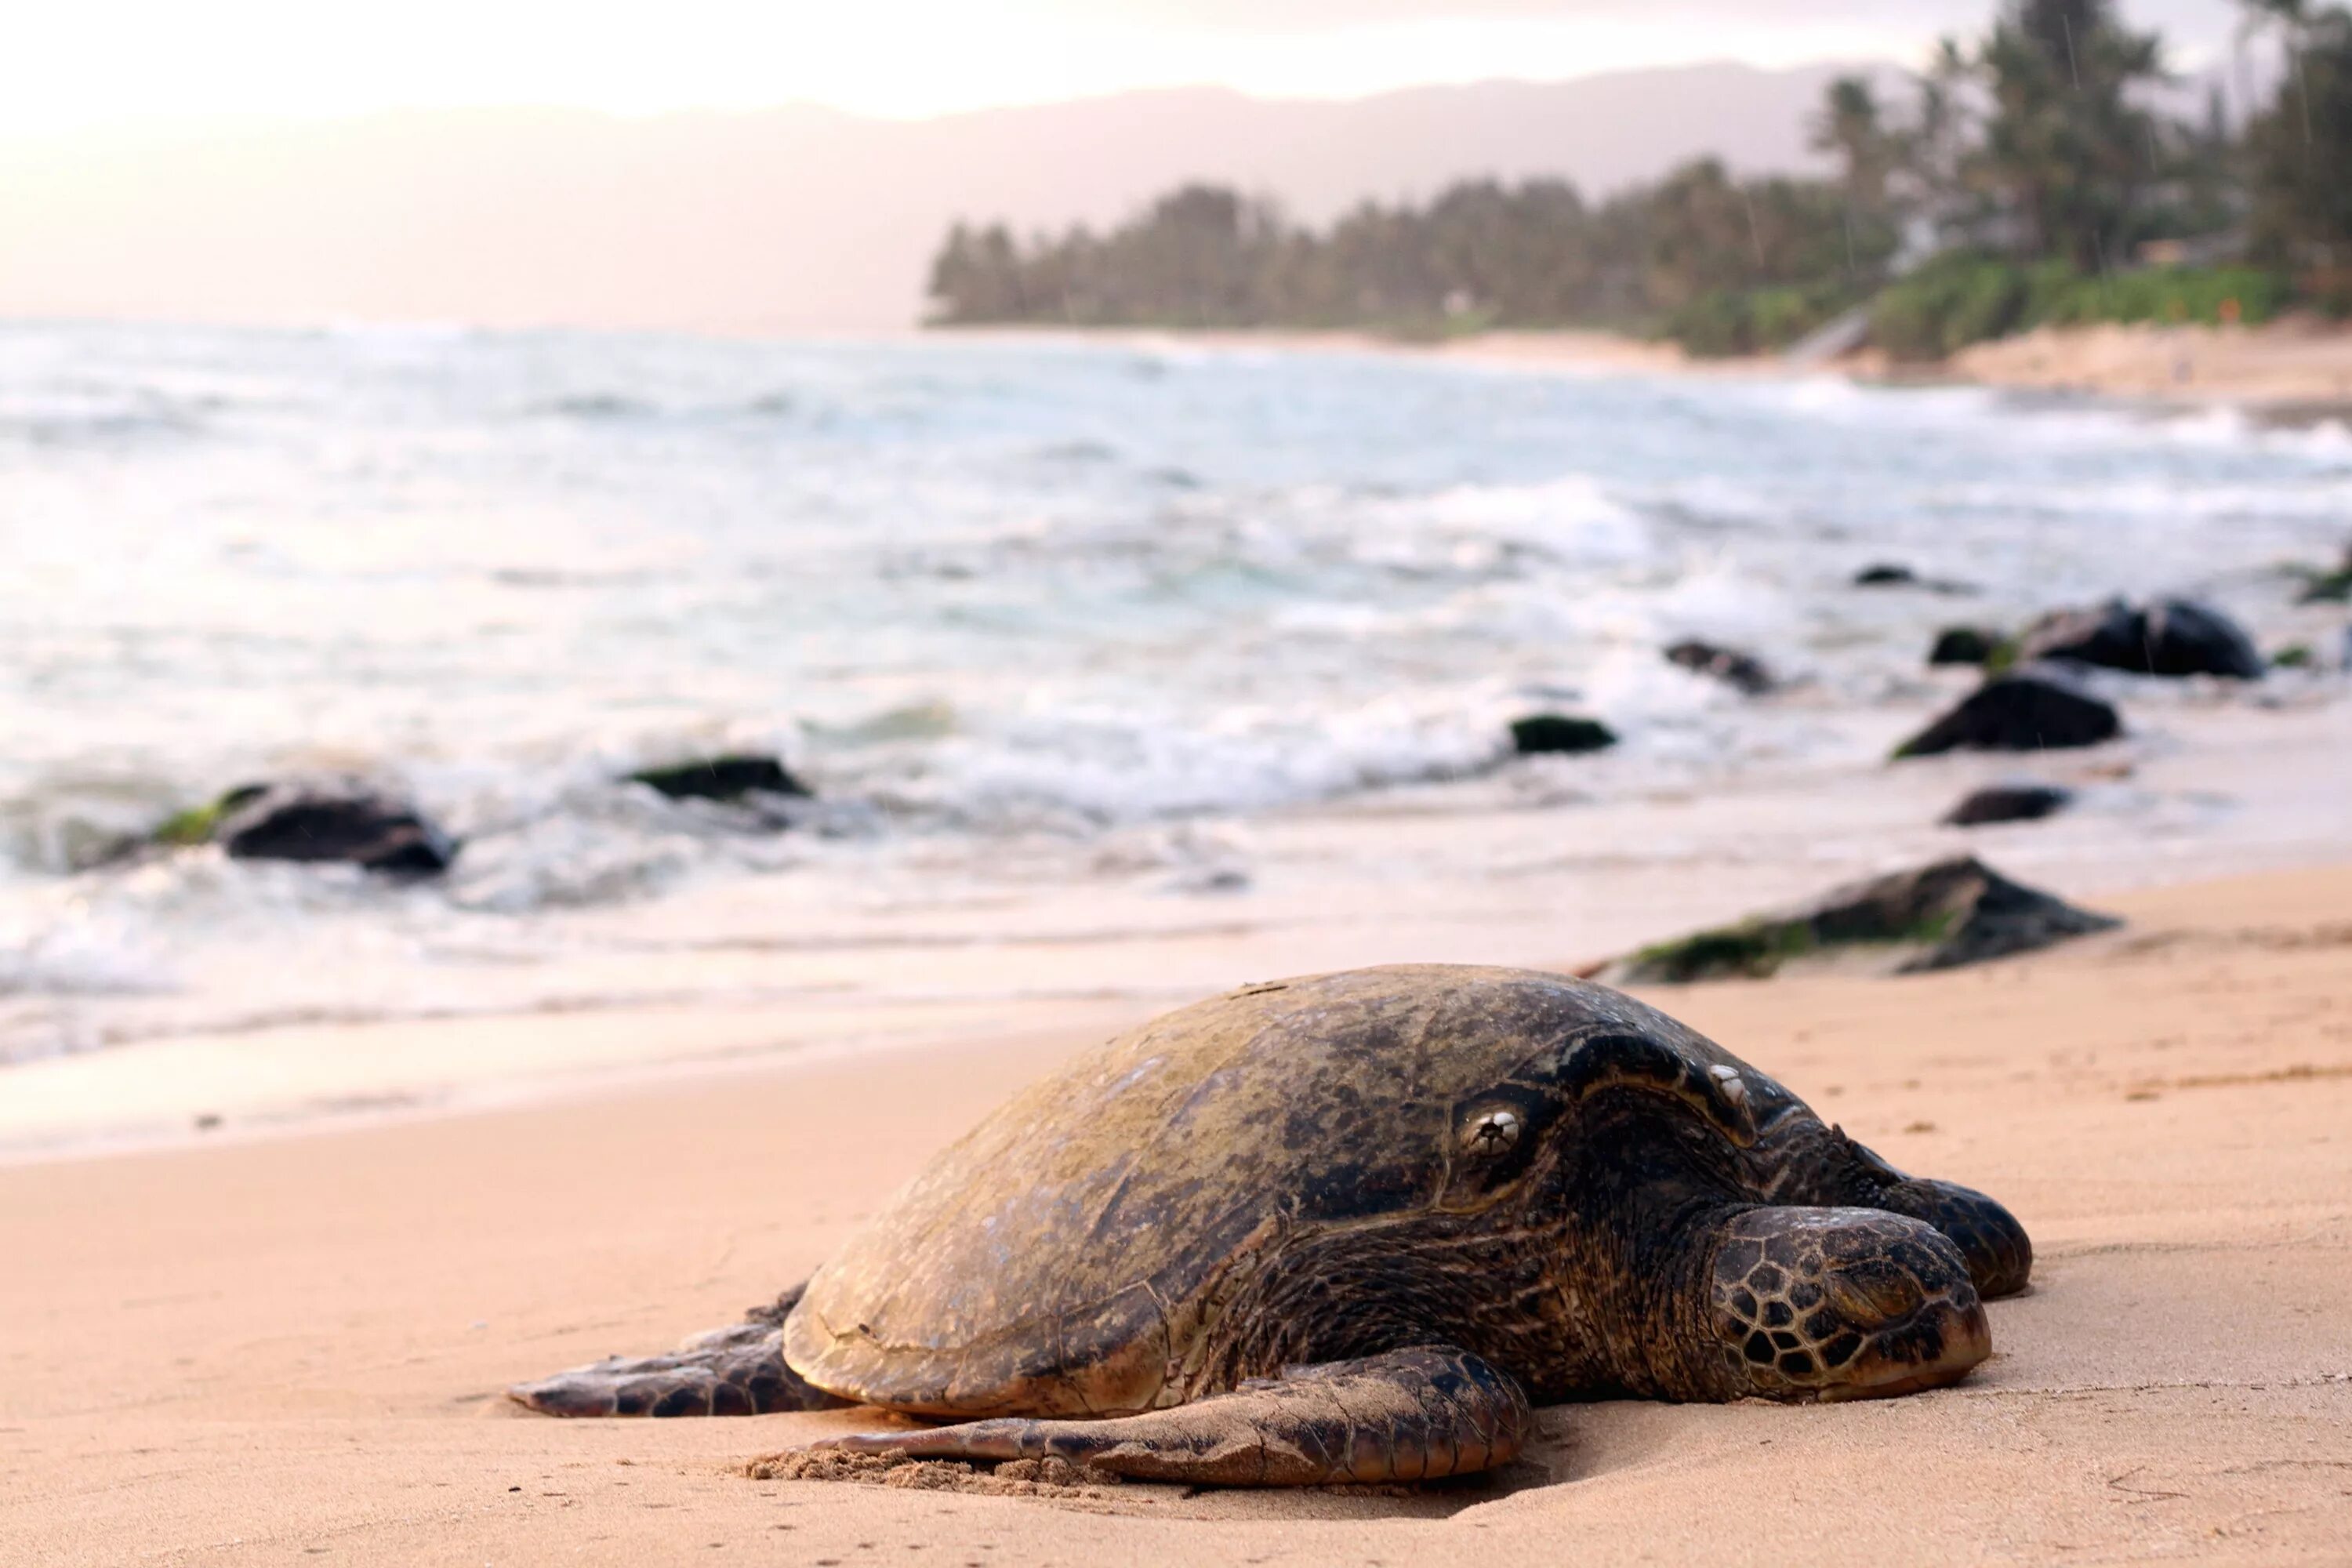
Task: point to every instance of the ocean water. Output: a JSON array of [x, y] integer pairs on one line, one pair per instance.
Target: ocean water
[[1051, 628]]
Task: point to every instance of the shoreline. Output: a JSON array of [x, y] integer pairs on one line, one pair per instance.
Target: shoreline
[[2297, 371], [1505, 869]]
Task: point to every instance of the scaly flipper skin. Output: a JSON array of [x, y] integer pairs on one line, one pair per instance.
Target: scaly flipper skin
[[1408, 1416], [737, 1371]]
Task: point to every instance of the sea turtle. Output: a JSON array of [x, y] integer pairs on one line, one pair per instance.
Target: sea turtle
[[1348, 1228]]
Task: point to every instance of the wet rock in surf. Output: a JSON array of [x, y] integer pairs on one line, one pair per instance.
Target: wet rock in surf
[[1893, 574], [2007, 803], [1939, 916], [1547, 735], [1964, 645], [1742, 671], [2032, 709], [2167, 636], [730, 778], [324, 821]]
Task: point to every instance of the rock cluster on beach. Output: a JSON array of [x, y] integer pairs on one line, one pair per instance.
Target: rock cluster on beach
[[344, 821], [2034, 701], [1937, 916]]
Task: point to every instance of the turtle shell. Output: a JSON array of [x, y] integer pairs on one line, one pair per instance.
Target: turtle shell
[[1060, 1258]]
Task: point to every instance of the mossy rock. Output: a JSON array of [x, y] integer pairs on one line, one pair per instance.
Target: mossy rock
[[316, 821], [2327, 587], [1937, 916], [1964, 645], [1544, 734]]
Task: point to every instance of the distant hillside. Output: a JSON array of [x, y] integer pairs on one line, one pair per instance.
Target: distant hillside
[[793, 219]]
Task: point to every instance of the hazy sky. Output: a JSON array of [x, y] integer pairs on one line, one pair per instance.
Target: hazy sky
[[94, 61]]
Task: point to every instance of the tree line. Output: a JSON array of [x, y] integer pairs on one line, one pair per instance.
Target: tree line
[[2032, 164]]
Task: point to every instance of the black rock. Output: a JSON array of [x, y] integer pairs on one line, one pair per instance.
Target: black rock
[[335, 821], [1939, 916], [1893, 574], [1543, 734], [2169, 636], [2030, 709], [722, 778], [2007, 803], [1743, 672], [1963, 645]]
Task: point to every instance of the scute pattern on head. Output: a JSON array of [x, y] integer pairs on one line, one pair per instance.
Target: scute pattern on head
[[1071, 1253]]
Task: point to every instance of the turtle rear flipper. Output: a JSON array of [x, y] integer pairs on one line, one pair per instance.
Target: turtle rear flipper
[[736, 1371], [1408, 1415]]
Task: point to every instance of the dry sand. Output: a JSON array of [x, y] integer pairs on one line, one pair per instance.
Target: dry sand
[[2294, 365], [285, 1350], [2299, 367]]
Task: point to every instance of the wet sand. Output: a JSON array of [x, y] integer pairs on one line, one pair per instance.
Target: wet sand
[[285, 1349]]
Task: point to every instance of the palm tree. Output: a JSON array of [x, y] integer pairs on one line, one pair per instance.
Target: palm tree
[[2067, 151]]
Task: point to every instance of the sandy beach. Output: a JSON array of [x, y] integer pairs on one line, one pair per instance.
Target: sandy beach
[[2301, 366], [285, 1349]]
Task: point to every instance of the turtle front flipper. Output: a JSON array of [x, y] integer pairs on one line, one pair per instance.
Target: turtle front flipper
[[1408, 1415], [735, 1370]]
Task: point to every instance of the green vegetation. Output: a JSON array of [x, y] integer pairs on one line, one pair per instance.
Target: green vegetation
[[2030, 159], [198, 824], [1757, 947], [1752, 950], [1964, 298], [1482, 255], [2328, 586]]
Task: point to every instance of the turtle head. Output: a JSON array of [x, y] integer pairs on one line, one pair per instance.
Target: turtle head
[[1500, 1133], [1829, 1303]]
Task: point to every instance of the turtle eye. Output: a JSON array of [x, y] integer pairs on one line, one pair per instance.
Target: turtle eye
[[1492, 1134]]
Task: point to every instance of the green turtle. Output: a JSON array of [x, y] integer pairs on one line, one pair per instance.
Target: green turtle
[[1351, 1227]]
